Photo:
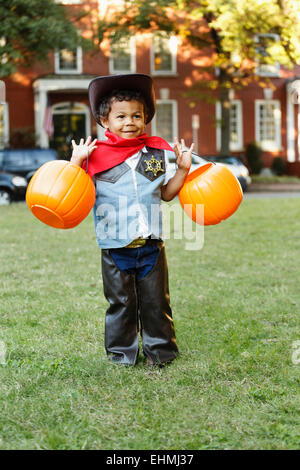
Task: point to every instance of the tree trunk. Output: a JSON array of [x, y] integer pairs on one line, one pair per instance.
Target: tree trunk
[[225, 122]]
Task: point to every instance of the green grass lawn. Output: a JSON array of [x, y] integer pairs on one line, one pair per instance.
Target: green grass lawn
[[236, 310], [285, 179]]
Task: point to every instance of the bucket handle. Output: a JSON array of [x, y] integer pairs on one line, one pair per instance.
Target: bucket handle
[[87, 162], [194, 153]]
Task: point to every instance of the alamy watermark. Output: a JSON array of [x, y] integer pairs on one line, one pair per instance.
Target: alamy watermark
[[2, 353], [296, 352], [124, 221]]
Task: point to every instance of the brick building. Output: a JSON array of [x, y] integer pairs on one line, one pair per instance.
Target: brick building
[[270, 117]]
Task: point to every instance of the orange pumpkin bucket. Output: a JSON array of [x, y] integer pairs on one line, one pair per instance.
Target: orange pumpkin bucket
[[216, 188], [60, 194]]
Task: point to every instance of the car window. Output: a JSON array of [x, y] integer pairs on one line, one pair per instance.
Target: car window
[[228, 160], [43, 157], [1, 158], [17, 158], [232, 161], [26, 158]]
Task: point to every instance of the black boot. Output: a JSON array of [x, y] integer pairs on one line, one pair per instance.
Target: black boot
[[159, 342], [121, 322]]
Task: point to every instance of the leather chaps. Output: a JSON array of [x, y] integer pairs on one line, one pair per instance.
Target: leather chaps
[[138, 304]]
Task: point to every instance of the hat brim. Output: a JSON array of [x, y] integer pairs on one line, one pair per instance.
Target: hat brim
[[99, 87]]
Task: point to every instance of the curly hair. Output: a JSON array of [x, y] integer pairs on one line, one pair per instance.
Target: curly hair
[[119, 95]]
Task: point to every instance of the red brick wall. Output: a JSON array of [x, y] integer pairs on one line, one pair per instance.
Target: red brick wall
[[293, 168], [189, 62]]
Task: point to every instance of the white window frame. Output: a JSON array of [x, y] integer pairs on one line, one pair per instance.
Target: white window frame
[[233, 146], [105, 5], [69, 2], [268, 145], [258, 69], [173, 40], [76, 70], [132, 49], [114, 2], [174, 104], [5, 141]]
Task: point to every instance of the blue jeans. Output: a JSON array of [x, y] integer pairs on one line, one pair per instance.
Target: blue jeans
[[138, 261]]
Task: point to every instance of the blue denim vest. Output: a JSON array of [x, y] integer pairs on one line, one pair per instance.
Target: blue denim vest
[[121, 193]]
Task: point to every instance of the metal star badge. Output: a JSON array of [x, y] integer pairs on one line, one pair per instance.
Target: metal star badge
[[153, 165]]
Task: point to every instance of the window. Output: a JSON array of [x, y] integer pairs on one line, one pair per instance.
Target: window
[[71, 121], [75, 110], [122, 55], [263, 68], [4, 128], [236, 125], [163, 54], [115, 2], [68, 61], [105, 5], [165, 121], [268, 124]]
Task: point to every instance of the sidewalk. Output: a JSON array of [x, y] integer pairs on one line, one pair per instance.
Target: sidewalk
[[273, 187]]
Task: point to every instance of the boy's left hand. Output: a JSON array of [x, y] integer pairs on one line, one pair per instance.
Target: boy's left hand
[[183, 156], [82, 150]]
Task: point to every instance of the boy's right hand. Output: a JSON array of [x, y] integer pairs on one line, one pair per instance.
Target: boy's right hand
[[82, 150]]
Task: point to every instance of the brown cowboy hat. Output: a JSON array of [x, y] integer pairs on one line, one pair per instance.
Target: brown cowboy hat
[[99, 87]]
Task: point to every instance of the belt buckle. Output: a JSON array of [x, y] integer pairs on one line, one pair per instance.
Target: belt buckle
[[137, 243]]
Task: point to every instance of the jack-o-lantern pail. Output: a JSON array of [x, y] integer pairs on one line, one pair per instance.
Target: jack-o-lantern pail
[[214, 188], [60, 194]]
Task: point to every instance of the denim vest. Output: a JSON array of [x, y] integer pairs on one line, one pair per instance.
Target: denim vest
[[123, 192]]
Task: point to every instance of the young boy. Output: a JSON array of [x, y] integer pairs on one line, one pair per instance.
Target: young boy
[[131, 177]]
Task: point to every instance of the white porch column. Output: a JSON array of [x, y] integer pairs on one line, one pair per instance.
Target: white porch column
[[43, 133], [293, 98], [40, 103], [195, 127], [290, 125], [299, 131], [36, 107]]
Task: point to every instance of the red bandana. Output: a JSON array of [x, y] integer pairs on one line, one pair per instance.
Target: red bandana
[[115, 150]]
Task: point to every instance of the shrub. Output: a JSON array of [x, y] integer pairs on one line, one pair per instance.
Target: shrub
[[253, 156], [22, 138], [278, 165]]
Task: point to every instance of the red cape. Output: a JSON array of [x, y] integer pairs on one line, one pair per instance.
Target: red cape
[[115, 150]]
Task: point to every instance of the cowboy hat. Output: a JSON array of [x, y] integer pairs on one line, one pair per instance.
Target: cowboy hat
[[99, 87]]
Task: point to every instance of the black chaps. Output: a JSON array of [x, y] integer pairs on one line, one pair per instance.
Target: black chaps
[[138, 304]]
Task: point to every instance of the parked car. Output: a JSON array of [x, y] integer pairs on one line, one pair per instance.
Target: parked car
[[196, 162], [236, 166], [12, 188], [239, 170], [25, 162]]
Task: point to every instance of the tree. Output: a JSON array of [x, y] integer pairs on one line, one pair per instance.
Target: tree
[[30, 29], [229, 28]]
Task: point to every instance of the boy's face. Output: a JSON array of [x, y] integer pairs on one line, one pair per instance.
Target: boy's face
[[126, 119]]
